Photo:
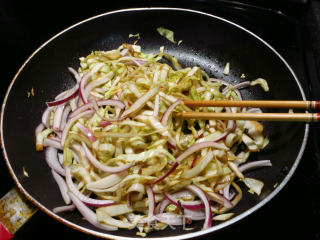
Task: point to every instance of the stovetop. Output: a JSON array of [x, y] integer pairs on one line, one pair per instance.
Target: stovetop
[[291, 27]]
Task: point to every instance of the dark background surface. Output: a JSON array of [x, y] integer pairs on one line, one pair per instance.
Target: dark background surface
[[291, 27]]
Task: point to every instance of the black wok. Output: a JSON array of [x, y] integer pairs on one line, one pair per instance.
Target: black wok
[[208, 42]]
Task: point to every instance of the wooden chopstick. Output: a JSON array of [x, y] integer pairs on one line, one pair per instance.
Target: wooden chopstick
[[283, 117], [308, 105]]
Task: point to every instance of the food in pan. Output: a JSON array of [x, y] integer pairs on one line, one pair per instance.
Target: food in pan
[[121, 158]]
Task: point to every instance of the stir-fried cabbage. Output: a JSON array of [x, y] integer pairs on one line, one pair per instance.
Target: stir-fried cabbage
[[168, 34], [127, 152]]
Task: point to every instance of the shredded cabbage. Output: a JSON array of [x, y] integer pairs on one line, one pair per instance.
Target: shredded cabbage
[[144, 146], [168, 34]]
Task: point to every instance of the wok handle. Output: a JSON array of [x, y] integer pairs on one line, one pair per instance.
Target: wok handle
[[15, 210]]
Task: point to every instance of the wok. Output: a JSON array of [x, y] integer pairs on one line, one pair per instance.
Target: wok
[[208, 42]]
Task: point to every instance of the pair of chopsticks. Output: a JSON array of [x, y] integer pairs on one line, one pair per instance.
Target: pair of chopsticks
[[292, 117]]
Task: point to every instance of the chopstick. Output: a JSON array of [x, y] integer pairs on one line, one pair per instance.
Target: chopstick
[[308, 105], [281, 117]]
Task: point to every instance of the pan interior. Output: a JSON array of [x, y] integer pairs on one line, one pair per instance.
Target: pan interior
[[208, 42]]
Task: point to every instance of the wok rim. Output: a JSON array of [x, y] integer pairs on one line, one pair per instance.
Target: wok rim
[[183, 236]]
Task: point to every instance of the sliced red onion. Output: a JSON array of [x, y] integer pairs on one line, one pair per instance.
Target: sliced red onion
[[137, 105], [87, 200], [75, 74], [79, 101], [64, 117], [166, 115], [82, 85], [88, 214], [46, 116], [132, 60], [107, 102], [52, 142], [192, 205], [84, 79], [156, 105], [227, 194], [80, 109], [67, 208], [181, 194], [86, 131], [197, 146], [60, 158], [204, 199], [68, 96], [173, 167], [104, 123], [62, 94], [62, 186], [71, 122], [39, 129], [73, 103], [151, 202], [58, 117], [102, 167], [222, 137], [51, 156], [242, 85], [171, 199], [254, 164], [195, 214], [170, 218]]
